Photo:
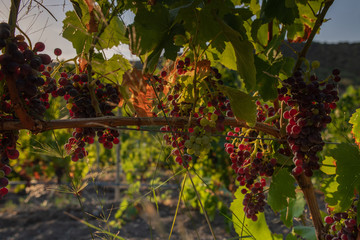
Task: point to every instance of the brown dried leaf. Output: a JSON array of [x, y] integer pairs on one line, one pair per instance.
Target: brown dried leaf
[[82, 64], [143, 94], [92, 26], [203, 67]]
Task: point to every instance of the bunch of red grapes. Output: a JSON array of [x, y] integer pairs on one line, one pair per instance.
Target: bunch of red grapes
[[75, 90], [22, 65], [251, 162], [209, 112], [343, 225], [7, 151], [310, 102]]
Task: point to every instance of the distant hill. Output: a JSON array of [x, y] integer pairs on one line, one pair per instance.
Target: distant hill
[[344, 56]]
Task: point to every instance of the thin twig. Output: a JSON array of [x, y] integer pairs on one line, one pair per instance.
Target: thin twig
[[45, 9], [317, 25]]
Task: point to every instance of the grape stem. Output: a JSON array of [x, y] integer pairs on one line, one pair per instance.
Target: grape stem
[[96, 37]]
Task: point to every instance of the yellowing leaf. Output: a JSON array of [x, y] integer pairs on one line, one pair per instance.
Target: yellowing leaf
[[355, 121], [328, 166]]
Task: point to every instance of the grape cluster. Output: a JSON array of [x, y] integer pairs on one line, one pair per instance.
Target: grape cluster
[[251, 164], [343, 225], [251, 160], [198, 140], [21, 66], [75, 90], [7, 151], [24, 64], [310, 104], [209, 112]]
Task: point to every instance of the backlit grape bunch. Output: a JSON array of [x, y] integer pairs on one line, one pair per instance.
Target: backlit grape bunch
[[342, 225], [209, 112], [251, 160], [7, 151], [20, 70], [251, 163], [23, 64], [74, 88], [310, 102]]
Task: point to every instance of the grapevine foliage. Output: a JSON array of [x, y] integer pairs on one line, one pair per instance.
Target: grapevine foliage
[[273, 116]]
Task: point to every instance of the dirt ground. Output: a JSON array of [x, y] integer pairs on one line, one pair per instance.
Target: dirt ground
[[46, 215], [43, 214]]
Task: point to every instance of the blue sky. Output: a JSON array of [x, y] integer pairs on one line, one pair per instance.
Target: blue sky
[[343, 24]]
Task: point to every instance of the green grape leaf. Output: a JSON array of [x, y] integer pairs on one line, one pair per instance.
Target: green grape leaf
[[76, 33], [329, 187], [242, 104], [358, 213], [328, 166], [348, 173], [291, 236], [244, 52], [150, 28], [255, 6], [247, 229], [278, 9], [282, 188], [355, 121], [283, 160], [112, 69], [113, 35], [306, 232], [266, 80], [152, 33], [294, 209], [255, 26], [226, 58]]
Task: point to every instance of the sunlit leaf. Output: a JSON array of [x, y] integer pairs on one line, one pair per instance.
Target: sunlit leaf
[[246, 228], [348, 173], [355, 121], [328, 166]]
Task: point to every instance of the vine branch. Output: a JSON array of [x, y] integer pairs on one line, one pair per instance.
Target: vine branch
[[130, 121], [16, 102], [318, 23], [309, 194]]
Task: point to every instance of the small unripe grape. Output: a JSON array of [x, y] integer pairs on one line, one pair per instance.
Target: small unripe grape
[[214, 117], [188, 144], [315, 64], [190, 151], [205, 140], [204, 122]]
